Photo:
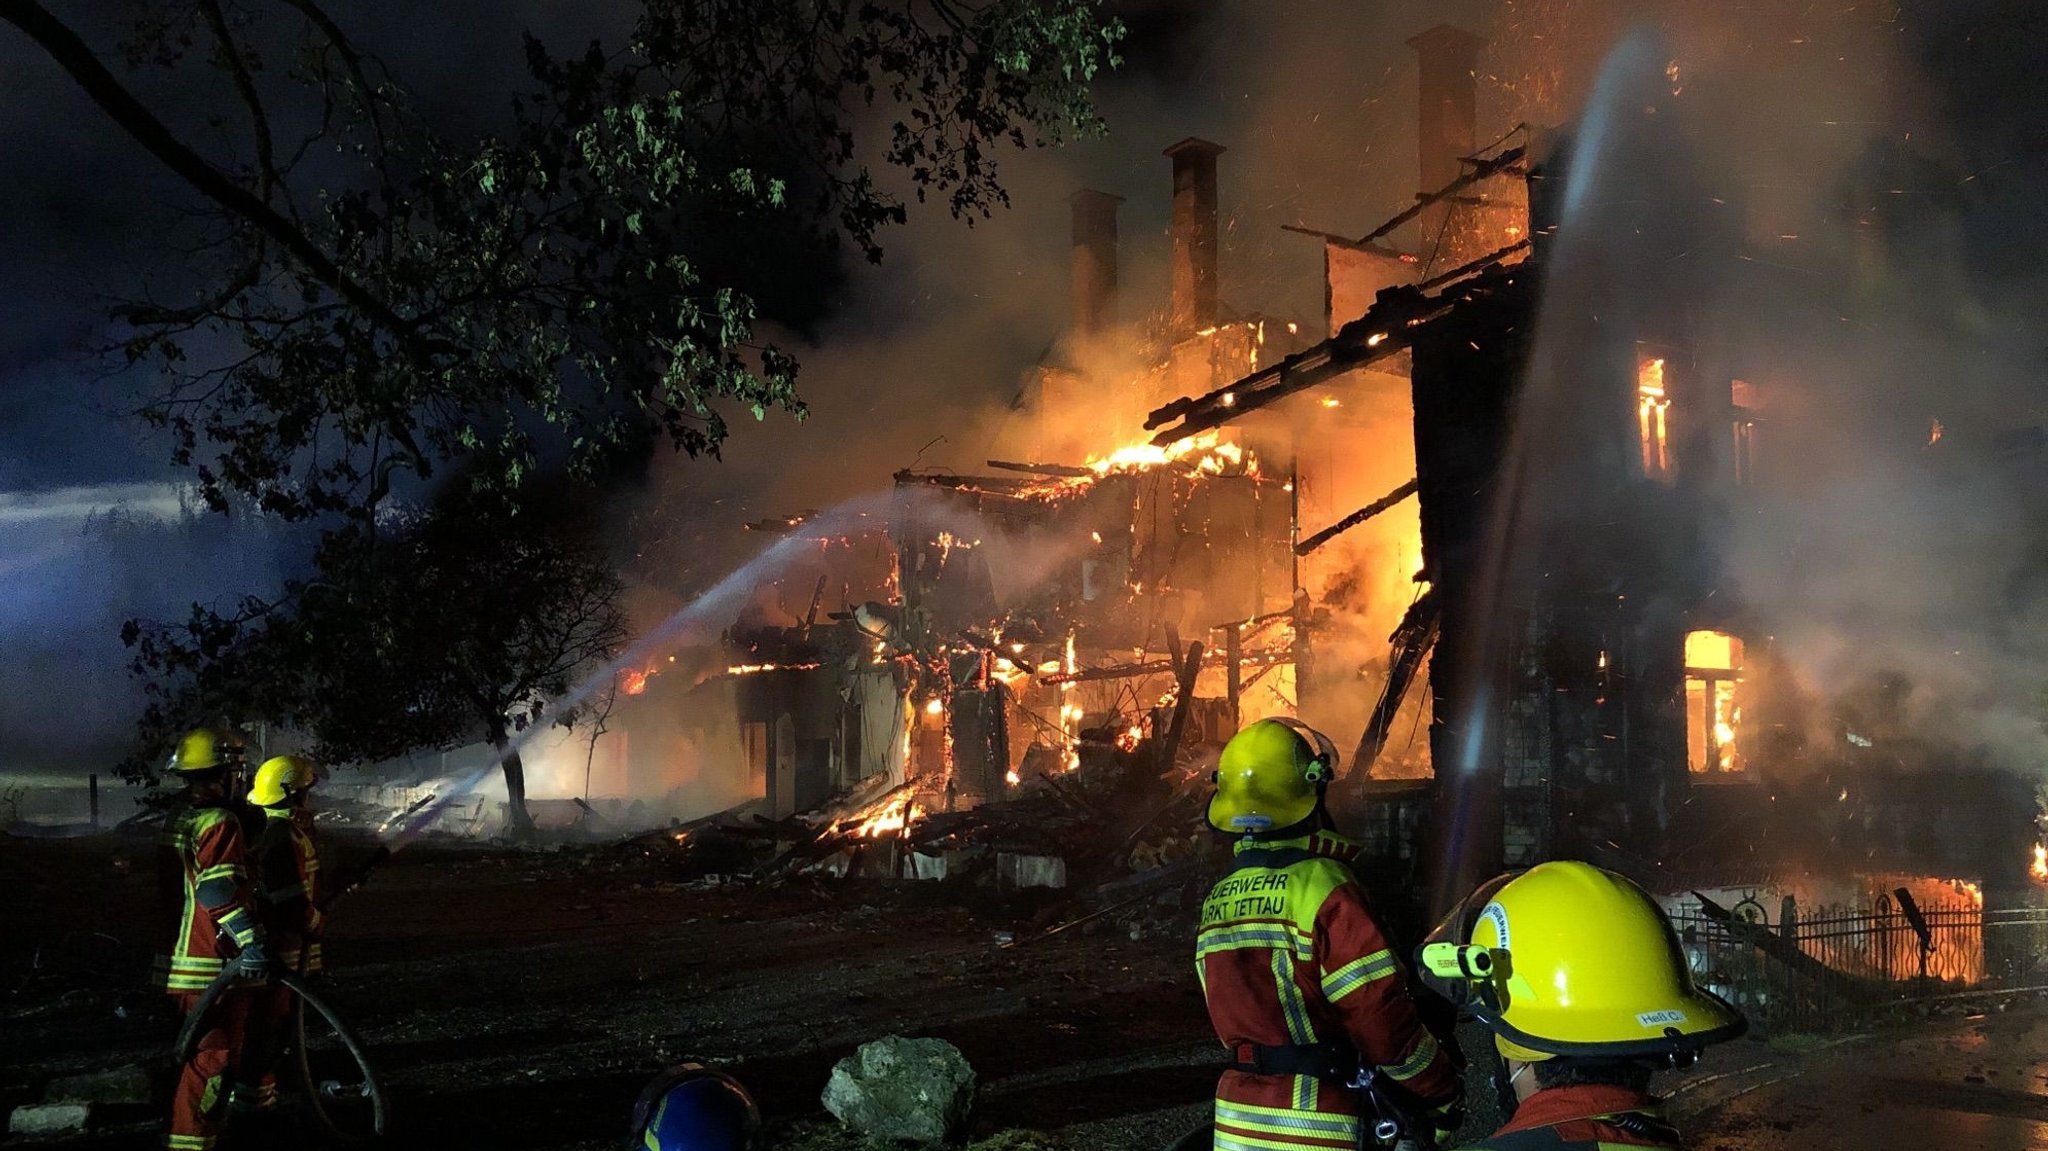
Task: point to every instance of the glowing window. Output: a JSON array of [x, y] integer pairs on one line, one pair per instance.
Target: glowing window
[[1713, 714], [1653, 406]]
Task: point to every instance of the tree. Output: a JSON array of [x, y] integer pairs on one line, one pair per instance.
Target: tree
[[465, 625], [489, 617], [412, 299], [398, 302]]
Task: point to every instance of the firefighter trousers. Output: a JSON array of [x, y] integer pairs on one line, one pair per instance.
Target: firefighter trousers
[[199, 1106]]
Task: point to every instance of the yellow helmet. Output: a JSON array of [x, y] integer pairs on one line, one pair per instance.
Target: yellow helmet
[[204, 749], [278, 778], [1565, 959], [1271, 776]]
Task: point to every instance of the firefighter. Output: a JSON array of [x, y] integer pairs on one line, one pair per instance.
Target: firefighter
[[1580, 978], [205, 876], [287, 878], [1301, 984], [690, 1107]]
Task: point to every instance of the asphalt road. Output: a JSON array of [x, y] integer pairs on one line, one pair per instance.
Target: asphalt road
[[1976, 1084]]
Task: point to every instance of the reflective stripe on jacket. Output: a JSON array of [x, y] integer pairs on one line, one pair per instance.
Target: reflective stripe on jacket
[[203, 872], [1583, 1118], [288, 877], [1288, 954]]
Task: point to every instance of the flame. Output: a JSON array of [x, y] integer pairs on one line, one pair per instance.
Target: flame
[[1652, 418], [949, 543], [1130, 738], [2040, 869], [896, 817], [758, 668], [1207, 454], [937, 706], [634, 682], [1726, 718], [1070, 712]]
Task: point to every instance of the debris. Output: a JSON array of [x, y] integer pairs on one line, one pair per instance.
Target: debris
[[127, 1083], [47, 1119], [1018, 870], [919, 1090]]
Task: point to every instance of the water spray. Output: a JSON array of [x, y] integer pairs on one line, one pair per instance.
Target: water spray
[[1578, 281], [702, 618]]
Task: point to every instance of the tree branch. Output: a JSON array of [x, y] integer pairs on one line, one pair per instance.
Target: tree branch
[[245, 86], [76, 58]]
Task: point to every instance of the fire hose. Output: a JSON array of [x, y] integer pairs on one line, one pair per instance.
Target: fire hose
[[188, 1040]]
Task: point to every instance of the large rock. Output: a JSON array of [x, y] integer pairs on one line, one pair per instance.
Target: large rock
[[48, 1119], [895, 1088]]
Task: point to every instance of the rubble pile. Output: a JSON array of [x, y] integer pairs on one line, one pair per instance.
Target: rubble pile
[[1112, 844]]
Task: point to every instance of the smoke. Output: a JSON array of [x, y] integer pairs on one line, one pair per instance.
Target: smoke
[[1881, 554], [75, 564]]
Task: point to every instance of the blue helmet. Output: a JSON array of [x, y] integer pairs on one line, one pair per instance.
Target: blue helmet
[[690, 1107]]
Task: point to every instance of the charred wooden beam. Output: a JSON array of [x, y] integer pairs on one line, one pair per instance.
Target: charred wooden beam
[[782, 524], [1181, 701], [1412, 640], [1500, 164], [1064, 471], [1233, 668], [1256, 621], [1159, 667], [1466, 269], [1348, 242], [1355, 518], [1390, 326], [817, 597], [1000, 484]]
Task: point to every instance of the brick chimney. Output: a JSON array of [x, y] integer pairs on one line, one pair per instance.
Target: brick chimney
[[1449, 107], [1094, 260], [1194, 235]]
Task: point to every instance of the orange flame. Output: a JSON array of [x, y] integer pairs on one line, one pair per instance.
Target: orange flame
[[1207, 454], [758, 668], [2040, 869], [886, 818]]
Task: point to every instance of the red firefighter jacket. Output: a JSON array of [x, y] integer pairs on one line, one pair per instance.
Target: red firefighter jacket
[[203, 873], [1583, 1118], [288, 872], [1288, 954]]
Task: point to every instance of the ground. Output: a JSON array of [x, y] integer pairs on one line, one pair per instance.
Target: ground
[[520, 999], [1979, 1083]]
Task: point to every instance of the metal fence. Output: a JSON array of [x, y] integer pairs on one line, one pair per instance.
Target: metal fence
[[1836, 967]]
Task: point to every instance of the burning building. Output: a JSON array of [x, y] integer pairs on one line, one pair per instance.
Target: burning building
[[1470, 533]]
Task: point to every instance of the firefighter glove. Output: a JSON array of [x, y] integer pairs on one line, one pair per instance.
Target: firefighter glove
[[257, 960]]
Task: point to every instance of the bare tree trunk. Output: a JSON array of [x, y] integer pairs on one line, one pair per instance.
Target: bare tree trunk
[[517, 820]]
